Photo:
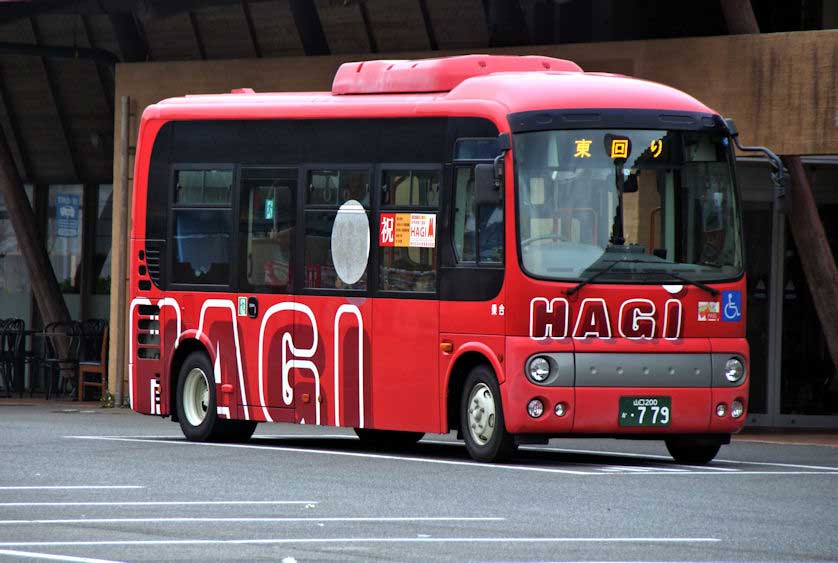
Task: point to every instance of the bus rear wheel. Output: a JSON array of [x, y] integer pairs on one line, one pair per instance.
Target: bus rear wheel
[[693, 451], [387, 439], [481, 418], [196, 405]]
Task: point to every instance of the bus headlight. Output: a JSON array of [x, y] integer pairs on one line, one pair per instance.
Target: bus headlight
[[737, 409], [539, 369], [734, 370]]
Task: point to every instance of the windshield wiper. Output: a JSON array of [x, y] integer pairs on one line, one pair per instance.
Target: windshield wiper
[[585, 282], [711, 290]]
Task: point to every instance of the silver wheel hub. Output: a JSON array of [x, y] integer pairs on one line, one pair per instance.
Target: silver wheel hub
[[195, 396], [481, 414]]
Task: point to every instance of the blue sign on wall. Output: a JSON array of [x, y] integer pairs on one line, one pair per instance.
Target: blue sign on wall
[[67, 215], [731, 306]]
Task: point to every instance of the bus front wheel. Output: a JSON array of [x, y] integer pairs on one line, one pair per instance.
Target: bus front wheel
[[693, 451], [196, 405], [481, 418]]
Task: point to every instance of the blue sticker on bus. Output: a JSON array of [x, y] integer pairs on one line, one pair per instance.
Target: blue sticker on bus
[[731, 306]]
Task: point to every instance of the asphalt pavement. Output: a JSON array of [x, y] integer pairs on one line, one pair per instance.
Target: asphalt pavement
[[84, 484]]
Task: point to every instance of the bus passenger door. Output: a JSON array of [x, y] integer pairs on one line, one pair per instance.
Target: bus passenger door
[[265, 307], [406, 312]]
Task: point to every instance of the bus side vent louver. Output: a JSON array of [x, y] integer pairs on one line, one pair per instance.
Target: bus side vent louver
[[152, 257], [148, 332]]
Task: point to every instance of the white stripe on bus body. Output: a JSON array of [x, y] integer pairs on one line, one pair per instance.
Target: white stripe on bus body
[[228, 305], [350, 310], [134, 303], [287, 365]]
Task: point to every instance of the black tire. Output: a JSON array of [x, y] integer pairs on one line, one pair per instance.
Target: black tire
[[486, 439], [235, 430], [693, 451], [199, 418], [388, 439]]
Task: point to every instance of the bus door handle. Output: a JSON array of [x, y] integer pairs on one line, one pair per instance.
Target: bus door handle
[[252, 307]]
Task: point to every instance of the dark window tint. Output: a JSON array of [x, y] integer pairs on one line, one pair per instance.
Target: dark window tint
[[320, 270], [335, 187], [476, 149], [268, 218], [465, 226], [478, 230], [203, 187], [410, 188], [202, 239], [408, 269]]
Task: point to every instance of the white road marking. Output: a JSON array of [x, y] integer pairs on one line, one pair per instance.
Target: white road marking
[[51, 557], [626, 468], [348, 454], [63, 487], [562, 450], [268, 541], [696, 470], [312, 520], [162, 503], [625, 454]]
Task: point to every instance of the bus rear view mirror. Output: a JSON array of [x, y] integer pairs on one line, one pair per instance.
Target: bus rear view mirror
[[486, 186]]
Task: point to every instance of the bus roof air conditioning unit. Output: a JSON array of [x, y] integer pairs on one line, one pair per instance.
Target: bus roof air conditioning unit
[[434, 75]]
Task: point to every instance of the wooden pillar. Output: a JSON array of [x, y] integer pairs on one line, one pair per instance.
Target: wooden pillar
[[41, 275], [117, 357]]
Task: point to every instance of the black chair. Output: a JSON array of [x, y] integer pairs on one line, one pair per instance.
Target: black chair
[[60, 358], [11, 353]]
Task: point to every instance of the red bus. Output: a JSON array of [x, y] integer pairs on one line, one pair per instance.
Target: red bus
[[508, 247]]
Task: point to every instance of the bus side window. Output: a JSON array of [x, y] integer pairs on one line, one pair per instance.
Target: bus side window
[[268, 216], [478, 231], [410, 198], [465, 225], [203, 226], [327, 190]]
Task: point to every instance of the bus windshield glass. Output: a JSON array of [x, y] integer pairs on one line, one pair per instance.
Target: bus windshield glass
[[643, 206]]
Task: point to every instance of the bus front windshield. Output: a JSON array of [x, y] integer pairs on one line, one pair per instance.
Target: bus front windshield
[[627, 206]]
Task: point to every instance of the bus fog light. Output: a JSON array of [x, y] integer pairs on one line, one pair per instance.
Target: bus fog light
[[734, 370], [560, 409], [721, 409], [737, 409], [535, 408], [539, 369]]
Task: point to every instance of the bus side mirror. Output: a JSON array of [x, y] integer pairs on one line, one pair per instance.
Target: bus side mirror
[[486, 185]]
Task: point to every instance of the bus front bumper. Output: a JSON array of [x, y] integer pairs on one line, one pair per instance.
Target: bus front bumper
[[626, 392]]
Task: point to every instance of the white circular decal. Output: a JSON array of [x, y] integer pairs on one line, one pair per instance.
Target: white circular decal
[[350, 242]]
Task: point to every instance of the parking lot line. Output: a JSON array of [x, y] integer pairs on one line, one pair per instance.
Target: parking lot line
[[268, 541], [66, 487], [345, 454], [52, 557], [654, 456], [593, 471], [278, 519], [162, 503]]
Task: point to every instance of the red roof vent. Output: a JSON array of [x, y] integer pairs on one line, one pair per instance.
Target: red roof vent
[[434, 75], [242, 91]]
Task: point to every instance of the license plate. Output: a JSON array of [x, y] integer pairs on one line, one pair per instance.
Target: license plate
[[645, 411]]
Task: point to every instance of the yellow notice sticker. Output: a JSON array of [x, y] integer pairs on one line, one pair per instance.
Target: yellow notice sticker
[[417, 230]]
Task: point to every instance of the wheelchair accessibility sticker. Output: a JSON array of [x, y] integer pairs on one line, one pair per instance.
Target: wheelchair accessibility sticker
[[731, 306]]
